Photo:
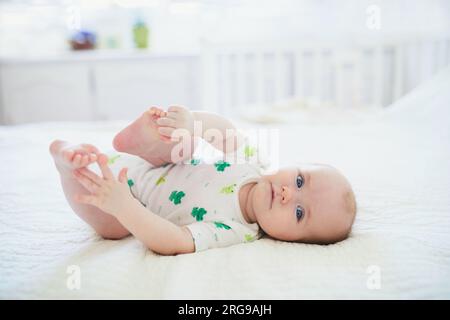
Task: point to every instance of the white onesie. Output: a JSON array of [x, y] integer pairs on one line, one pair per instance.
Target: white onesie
[[198, 194]]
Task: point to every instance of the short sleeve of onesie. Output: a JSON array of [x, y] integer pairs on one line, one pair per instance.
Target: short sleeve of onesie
[[218, 234]]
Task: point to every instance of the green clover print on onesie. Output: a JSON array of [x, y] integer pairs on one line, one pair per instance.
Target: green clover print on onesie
[[176, 196], [195, 162], [130, 183], [220, 225], [221, 165], [198, 213], [161, 180], [249, 238], [228, 189], [249, 151], [113, 159]]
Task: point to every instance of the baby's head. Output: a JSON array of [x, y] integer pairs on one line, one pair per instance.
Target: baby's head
[[313, 204]]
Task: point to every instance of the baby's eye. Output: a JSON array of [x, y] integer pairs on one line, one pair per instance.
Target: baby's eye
[[299, 213], [299, 181]]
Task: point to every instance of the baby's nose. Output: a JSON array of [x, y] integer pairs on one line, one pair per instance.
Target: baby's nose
[[285, 194]]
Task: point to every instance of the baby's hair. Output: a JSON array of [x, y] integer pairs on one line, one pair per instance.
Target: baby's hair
[[350, 203], [351, 207]]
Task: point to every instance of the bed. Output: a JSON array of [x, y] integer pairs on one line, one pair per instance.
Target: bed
[[398, 162]]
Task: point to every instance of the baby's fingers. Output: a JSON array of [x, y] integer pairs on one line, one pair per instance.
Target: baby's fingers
[[123, 178], [77, 160], [103, 165], [166, 122], [90, 175], [85, 182], [86, 199]]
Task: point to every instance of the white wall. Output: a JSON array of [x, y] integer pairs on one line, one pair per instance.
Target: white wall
[[41, 27]]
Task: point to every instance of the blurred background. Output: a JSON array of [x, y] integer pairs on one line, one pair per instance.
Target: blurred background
[[261, 60]]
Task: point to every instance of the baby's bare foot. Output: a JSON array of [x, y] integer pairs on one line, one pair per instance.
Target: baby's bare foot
[[141, 137], [69, 157]]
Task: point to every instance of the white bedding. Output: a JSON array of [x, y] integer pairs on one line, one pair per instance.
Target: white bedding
[[399, 165]]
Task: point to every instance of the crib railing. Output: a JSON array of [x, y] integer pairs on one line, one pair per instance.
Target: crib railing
[[357, 75]]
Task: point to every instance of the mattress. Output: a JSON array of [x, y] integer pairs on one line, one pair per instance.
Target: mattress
[[398, 162]]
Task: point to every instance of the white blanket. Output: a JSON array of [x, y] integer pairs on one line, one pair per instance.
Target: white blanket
[[399, 165]]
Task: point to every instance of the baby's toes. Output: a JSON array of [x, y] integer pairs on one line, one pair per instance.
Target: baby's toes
[[68, 155], [90, 148], [77, 160], [88, 159], [92, 157], [84, 160]]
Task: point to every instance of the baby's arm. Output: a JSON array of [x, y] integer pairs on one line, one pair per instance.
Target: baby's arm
[[158, 234], [219, 131], [114, 197]]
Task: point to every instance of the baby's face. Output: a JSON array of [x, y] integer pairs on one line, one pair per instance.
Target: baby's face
[[303, 204]]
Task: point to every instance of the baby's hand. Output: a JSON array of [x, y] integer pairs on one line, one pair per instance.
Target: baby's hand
[[108, 194], [176, 117]]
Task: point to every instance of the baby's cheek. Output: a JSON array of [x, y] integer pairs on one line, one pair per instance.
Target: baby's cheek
[[274, 220]]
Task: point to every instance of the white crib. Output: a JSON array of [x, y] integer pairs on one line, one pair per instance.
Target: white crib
[[361, 74]]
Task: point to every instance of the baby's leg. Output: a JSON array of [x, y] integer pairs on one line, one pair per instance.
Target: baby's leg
[[67, 158], [141, 138]]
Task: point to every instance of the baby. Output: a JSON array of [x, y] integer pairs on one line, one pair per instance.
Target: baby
[[175, 203]]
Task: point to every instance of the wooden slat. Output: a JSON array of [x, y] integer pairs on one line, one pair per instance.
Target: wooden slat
[[317, 75], [210, 80], [279, 75], [357, 78], [259, 77], [398, 71], [377, 90], [339, 83], [223, 83], [298, 74], [241, 83]]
